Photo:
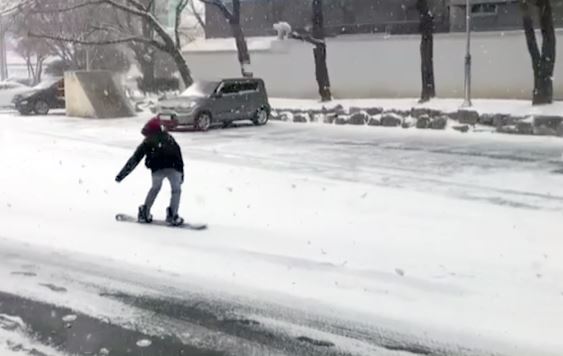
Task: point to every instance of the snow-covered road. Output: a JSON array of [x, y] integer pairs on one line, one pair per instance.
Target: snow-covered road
[[438, 235]]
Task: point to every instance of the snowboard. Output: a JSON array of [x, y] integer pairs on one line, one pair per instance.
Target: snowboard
[[157, 222]]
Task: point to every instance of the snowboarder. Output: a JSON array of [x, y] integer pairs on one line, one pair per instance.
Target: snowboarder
[[164, 159]]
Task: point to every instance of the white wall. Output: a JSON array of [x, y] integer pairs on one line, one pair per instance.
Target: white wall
[[376, 66]]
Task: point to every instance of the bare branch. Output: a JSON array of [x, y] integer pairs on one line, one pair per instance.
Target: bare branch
[[57, 10], [179, 8], [196, 14], [139, 12], [140, 6], [96, 42], [306, 38], [221, 6]]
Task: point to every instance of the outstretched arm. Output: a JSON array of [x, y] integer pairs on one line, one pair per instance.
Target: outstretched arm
[[132, 162]]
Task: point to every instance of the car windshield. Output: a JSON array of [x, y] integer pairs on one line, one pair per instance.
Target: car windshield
[[200, 89]]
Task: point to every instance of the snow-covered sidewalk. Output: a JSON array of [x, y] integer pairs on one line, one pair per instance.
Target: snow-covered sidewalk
[[468, 272]]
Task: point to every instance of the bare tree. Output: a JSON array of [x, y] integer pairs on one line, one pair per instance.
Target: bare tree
[[317, 38], [426, 50], [158, 38], [34, 53], [233, 18], [196, 14], [543, 61]]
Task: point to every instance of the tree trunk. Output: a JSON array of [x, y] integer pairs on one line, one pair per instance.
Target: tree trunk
[[426, 51], [182, 65], [543, 62], [39, 68], [321, 72], [147, 68], [318, 20], [242, 49], [320, 52], [145, 58]]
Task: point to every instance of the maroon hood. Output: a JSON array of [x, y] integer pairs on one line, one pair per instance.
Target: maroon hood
[[152, 127]]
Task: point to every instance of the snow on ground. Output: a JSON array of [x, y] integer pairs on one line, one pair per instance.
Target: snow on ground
[[467, 271], [16, 341], [492, 106]]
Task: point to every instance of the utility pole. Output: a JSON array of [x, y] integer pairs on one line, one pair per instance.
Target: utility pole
[[467, 86], [3, 57]]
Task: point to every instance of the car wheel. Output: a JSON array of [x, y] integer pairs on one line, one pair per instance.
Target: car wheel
[[261, 118], [203, 121], [41, 108]]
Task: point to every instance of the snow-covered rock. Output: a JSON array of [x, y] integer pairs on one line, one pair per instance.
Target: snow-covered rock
[[469, 117], [504, 120], [286, 116], [423, 122], [359, 118], [461, 128], [417, 112], [391, 119], [525, 127], [274, 115], [543, 131], [487, 119], [408, 122], [329, 118], [341, 120], [439, 123], [302, 118], [374, 111], [317, 117], [551, 122], [508, 129], [374, 120]]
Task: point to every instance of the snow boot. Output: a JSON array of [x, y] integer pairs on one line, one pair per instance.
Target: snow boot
[[173, 220], [144, 216]]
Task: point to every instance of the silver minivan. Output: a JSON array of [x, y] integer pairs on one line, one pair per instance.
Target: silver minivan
[[205, 103]]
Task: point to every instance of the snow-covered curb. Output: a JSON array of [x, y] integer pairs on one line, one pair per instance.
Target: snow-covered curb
[[506, 116]]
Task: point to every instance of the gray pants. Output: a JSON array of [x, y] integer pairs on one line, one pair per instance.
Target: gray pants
[[175, 179]]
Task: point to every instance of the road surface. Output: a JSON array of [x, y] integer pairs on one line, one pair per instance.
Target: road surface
[[112, 307]]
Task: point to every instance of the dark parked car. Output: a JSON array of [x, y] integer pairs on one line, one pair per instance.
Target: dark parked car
[[206, 103], [40, 99]]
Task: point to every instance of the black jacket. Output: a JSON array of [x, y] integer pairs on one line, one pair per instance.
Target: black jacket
[[161, 151]]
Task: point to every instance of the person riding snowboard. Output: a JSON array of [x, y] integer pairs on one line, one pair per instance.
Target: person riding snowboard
[[164, 159]]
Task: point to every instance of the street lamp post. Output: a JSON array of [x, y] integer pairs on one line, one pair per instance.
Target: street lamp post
[[3, 59], [467, 84]]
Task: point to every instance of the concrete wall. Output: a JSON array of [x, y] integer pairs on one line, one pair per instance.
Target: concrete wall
[[95, 94], [379, 66]]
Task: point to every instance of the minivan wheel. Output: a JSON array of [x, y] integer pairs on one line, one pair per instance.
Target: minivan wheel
[[41, 108], [203, 121], [261, 118]]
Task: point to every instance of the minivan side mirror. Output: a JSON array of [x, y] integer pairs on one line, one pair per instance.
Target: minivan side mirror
[[217, 95]]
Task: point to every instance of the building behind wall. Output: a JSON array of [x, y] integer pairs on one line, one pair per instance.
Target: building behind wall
[[341, 16], [494, 15], [372, 16]]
